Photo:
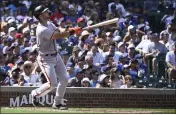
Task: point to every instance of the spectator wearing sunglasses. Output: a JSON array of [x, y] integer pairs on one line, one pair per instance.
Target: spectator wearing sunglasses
[[164, 39], [128, 82], [28, 76]]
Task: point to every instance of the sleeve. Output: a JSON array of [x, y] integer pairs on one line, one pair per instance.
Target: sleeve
[[148, 49], [55, 28], [165, 49], [167, 57]]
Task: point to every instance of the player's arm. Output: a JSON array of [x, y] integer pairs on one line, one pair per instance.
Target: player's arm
[[57, 34]]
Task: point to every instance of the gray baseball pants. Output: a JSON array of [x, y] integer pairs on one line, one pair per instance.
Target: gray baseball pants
[[54, 70]]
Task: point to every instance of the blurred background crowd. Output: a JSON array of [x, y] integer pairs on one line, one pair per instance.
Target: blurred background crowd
[[137, 51]]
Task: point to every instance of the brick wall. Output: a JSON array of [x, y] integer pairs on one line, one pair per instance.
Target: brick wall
[[112, 98]]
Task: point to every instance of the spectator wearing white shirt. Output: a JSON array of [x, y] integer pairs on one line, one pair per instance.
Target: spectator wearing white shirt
[[164, 36], [121, 49], [28, 76], [171, 63], [97, 57]]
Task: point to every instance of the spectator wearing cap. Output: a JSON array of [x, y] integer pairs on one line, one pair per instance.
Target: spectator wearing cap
[[132, 54], [133, 36], [14, 75], [121, 49], [11, 22], [85, 82], [155, 48], [103, 81], [171, 63], [11, 32], [128, 82], [28, 76], [81, 22], [26, 32], [76, 81], [115, 78], [84, 35], [97, 57], [71, 71]]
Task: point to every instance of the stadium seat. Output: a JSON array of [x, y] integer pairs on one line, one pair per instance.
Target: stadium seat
[[151, 85], [161, 64], [171, 86]]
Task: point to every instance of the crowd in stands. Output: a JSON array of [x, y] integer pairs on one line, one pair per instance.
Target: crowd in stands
[[139, 47]]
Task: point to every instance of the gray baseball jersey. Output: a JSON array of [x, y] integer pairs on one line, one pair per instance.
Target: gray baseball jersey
[[44, 33]]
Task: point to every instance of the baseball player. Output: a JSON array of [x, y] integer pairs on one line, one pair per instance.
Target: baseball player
[[49, 61]]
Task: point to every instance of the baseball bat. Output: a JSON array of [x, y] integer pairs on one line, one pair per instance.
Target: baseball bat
[[108, 22]]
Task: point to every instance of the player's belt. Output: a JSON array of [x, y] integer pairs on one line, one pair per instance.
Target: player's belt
[[54, 54]]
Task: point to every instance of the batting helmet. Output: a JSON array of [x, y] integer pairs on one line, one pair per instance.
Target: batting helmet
[[38, 10]]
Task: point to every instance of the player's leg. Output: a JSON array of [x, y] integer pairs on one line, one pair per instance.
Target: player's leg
[[49, 72], [61, 72]]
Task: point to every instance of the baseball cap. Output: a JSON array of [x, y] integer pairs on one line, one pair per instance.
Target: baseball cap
[[102, 77], [120, 44], [11, 29], [85, 79], [19, 61], [131, 46], [80, 20], [117, 38], [18, 35], [26, 30], [11, 21], [130, 27], [84, 33]]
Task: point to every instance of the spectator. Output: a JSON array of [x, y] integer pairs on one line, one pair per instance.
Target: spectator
[[171, 63], [112, 53], [97, 57], [28, 76], [85, 82], [76, 81], [115, 78], [164, 36], [154, 48], [103, 81], [94, 79], [128, 82]]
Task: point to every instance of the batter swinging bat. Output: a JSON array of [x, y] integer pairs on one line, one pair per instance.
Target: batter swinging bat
[[108, 22]]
